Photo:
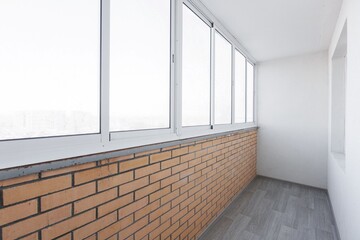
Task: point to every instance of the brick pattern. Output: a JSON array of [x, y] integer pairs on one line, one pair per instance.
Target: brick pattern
[[172, 193]]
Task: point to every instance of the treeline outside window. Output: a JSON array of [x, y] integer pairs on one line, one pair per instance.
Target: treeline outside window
[[52, 69]]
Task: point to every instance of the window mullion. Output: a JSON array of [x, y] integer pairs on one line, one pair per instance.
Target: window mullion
[[254, 95], [104, 76], [177, 65], [233, 104], [246, 92], [212, 79]]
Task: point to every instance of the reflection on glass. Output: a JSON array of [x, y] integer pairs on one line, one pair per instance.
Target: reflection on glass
[[196, 70], [250, 93], [240, 87], [222, 80], [139, 64], [49, 68]]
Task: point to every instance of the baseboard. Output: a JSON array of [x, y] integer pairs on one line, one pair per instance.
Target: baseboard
[[302, 184]]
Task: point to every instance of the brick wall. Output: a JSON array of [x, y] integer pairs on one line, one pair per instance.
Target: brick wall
[[170, 193]]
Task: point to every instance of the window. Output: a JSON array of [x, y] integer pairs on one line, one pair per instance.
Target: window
[[222, 66], [196, 70], [49, 68], [250, 93], [240, 87], [80, 77], [139, 64]]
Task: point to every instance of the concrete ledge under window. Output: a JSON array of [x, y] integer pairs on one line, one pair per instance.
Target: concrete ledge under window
[[53, 165]]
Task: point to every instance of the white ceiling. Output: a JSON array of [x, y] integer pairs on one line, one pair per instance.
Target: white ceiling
[[271, 29]]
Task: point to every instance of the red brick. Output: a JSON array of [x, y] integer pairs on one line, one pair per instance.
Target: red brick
[[17, 212], [147, 190], [147, 229], [201, 153], [170, 230], [160, 211], [66, 196], [95, 173], [131, 208], [145, 171], [179, 168], [68, 225], [132, 228], [170, 163], [207, 144], [35, 189], [33, 224], [115, 204], [146, 210], [186, 172], [170, 180], [187, 157], [169, 197], [23, 179], [95, 200], [194, 162], [134, 185], [116, 227], [178, 231], [178, 215], [115, 181], [160, 175], [187, 187], [134, 163], [160, 157], [159, 230], [156, 195], [94, 227], [179, 199], [200, 167], [194, 148], [180, 151], [92, 237], [186, 202], [191, 197], [34, 236]]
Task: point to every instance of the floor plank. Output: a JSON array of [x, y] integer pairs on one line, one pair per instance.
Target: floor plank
[[270, 209]]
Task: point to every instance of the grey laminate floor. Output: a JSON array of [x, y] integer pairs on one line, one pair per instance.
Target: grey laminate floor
[[271, 209]]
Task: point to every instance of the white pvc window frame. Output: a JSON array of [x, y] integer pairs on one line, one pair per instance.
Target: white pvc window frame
[[210, 25], [252, 79], [30, 151], [125, 135], [235, 49]]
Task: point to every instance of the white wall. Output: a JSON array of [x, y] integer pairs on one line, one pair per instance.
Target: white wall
[[292, 116], [344, 177]]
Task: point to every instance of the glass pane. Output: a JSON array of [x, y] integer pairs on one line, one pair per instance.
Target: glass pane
[[49, 68], [196, 70], [139, 64], [222, 80], [240, 87], [250, 93]]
